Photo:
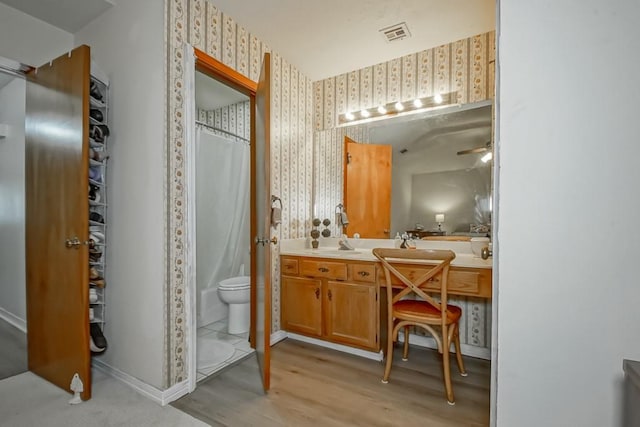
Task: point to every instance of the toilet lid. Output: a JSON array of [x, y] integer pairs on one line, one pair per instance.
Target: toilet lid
[[238, 283]]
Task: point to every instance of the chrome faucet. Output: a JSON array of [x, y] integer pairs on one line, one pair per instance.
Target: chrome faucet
[[343, 244]]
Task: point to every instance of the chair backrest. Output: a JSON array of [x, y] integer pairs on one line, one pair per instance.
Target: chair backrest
[[438, 261]]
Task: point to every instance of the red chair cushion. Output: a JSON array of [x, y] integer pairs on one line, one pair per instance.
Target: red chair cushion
[[414, 308]]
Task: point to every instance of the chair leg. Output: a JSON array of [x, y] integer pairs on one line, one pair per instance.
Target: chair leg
[[405, 350], [446, 366], [387, 368], [456, 341]]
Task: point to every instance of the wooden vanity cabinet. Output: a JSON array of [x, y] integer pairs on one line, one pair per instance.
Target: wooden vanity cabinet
[[333, 300], [301, 305]]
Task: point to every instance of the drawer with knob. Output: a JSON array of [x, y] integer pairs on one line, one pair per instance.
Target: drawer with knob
[[289, 266], [320, 268], [362, 272]]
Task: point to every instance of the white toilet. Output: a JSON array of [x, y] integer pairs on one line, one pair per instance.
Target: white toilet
[[236, 291]]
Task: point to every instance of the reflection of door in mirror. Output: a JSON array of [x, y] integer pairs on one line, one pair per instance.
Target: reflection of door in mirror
[[367, 189]]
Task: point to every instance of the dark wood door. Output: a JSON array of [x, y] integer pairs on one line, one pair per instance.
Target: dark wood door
[[367, 189], [261, 204], [56, 199]]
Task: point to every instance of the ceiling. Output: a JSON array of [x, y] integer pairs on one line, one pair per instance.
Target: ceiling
[[320, 38], [330, 37], [69, 15], [211, 94]]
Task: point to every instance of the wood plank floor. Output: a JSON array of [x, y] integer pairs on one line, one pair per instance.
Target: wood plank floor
[[13, 350], [311, 385]]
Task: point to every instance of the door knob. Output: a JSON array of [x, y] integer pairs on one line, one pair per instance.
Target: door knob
[[73, 243], [274, 240]]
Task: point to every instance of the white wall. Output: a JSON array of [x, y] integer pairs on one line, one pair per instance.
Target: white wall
[[127, 43], [29, 40], [12, 248], [568, 238]]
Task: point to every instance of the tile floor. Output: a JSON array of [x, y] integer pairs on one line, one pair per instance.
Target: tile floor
[[218, 330]]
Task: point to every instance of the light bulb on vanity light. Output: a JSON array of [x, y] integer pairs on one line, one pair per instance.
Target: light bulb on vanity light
[[382, 110], [437, 98], [349, 116], [365, 113], [417, 103], [399, 106]]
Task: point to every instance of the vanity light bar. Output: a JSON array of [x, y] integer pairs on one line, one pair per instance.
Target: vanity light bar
[[397, 108]]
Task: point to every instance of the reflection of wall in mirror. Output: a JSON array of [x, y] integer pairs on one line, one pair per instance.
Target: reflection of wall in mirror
[[462, 195]]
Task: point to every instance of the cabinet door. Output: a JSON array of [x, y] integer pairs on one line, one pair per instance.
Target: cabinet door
[[302, 305], [352, 314], [57, 220]]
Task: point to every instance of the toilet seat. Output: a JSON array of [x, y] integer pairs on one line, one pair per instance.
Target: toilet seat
[[239, 283], [234, 288]]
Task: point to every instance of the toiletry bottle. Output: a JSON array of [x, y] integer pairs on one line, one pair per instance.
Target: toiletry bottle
[[403, 245], [397, 241]]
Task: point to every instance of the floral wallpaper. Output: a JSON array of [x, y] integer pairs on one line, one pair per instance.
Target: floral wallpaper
[[298, 108], [234, 119], [465, 66], [204, 26]]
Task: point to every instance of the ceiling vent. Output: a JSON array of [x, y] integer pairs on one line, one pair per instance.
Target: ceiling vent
[[396, 32]]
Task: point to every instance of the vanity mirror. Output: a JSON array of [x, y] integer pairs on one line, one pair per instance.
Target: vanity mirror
[[440, 173]]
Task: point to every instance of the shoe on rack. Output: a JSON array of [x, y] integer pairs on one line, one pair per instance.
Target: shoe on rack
[[95, 254], [94, 174], [94, 91], [97, 282], [93, 273], [98, 132], [97, 341], [97, 155], [95, 216], [96, 114]]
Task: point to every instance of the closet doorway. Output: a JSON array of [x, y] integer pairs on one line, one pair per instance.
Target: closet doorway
[[227, 150]]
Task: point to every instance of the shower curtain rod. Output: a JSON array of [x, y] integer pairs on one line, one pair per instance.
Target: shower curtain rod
[[223, 131]]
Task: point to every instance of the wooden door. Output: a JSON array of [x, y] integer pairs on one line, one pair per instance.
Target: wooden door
[[56, 211], [367, 189], [301, 305], [351, 314], [261, 205]]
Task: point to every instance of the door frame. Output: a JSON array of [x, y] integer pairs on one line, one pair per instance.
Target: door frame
[[197, 60]]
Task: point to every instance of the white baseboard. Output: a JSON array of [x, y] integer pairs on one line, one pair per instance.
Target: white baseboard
[[344, 348], [162, 397], [467, 350], [13, 320], [278, 336]]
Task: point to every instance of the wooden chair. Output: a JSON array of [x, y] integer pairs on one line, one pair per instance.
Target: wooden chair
[[403, 313]]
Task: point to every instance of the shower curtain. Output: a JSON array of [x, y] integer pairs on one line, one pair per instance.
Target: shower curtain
[[222, 208]]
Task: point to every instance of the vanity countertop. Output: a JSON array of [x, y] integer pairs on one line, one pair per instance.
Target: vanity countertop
[[363, 250]]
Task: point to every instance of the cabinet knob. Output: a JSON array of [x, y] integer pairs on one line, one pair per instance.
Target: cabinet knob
[[323, 270], [317, 293], [363, 273], [329, 294]]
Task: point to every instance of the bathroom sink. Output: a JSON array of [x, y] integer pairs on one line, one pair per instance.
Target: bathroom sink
[[329, 252]]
